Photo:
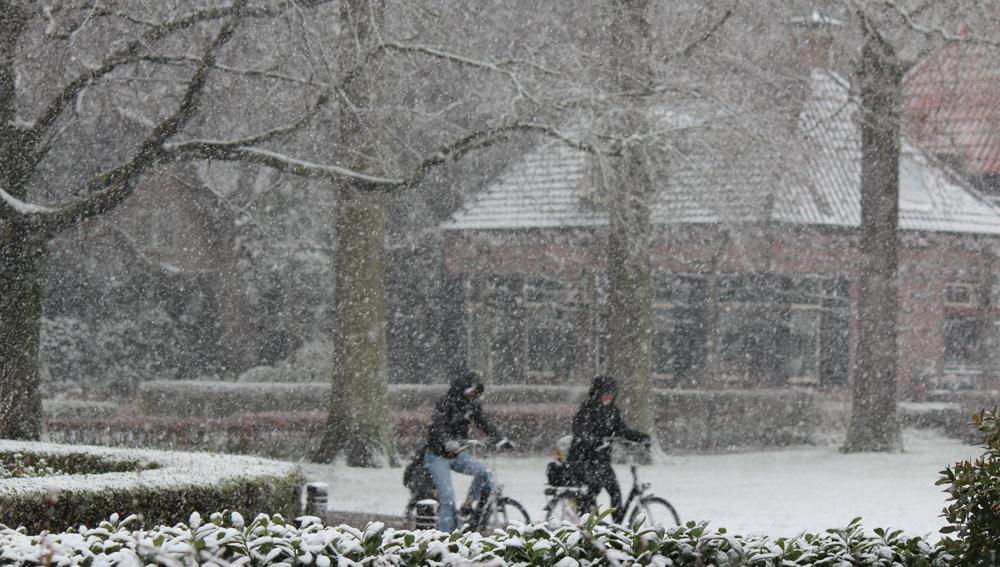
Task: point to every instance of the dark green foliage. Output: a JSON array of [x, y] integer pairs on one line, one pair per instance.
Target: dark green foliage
[[72, 463], [973, 512], [270, 540], [69, 505]]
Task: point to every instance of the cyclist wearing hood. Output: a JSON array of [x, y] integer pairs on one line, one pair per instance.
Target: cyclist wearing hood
[[453, 414], [597, 422]]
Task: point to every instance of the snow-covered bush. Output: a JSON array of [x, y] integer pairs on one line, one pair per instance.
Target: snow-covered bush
[[63, 408], [973, 512], [86, 484], [279, 435], [271, 392], [218, 399], [270, 374], [227, 539]]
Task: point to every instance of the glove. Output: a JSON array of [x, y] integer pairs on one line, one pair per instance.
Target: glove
[[452, 446], [505, 444], [646, 440]]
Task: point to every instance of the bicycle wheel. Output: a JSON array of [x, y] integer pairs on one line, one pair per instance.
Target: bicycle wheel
[[505, 512], [563, 507], [656, 512]]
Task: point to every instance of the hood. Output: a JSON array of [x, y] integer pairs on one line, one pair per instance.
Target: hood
[[464, 379], [603, 384]]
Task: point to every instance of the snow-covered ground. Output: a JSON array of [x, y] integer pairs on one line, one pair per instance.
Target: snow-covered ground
[[778, 493]]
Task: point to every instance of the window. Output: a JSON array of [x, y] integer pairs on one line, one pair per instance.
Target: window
[[798, 351], [551, 325], [165, 230], [155, 229], [592, 183], [144, 228], [678, 331], [962, 341], [664, 351], [959, 294]]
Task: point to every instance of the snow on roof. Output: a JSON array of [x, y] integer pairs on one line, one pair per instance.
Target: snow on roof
[[719, 179]]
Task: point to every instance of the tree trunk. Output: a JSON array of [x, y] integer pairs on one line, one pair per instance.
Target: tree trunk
[[20, 326], [874, 424], [20, 254], [629, 293], [629, 287], [359, 419], [987, 345]]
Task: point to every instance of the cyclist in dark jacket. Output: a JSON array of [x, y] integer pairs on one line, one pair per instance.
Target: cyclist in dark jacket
[[589, 462], [453, 414]]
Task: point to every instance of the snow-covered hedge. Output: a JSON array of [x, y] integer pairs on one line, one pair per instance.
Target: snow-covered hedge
[[287, 435], [91, 483], [228, 540], [220, 398]]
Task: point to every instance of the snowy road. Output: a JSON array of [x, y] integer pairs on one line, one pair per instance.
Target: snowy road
[[776, 493]]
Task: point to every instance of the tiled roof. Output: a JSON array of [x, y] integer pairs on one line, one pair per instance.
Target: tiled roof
[[720, 177], [953, 104]]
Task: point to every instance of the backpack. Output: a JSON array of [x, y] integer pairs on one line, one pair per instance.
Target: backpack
[[558, 474], [417, 478]]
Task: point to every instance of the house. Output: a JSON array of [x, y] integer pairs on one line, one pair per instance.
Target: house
[[953, 110], [754, 253]]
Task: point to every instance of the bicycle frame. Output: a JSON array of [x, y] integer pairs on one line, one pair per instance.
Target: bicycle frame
[[487, 504], [635, 495]]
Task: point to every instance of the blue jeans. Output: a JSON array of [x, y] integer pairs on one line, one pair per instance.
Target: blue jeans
[[440, 469]]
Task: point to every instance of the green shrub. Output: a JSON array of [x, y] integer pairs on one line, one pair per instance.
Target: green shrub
[[91, 483], [271, 541], [973, 513]]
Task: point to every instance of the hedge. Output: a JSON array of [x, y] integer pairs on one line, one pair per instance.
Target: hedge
[[270, 540], [218, 398], [155, 485], [289, 435], [534, 417]]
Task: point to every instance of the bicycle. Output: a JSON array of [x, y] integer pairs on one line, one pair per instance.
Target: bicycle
[[493, 510], [655, 511]]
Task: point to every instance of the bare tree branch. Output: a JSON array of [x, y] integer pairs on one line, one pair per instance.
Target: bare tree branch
[[937, 33], [461, 60], [106, 191], [690, 49], [130, 52], [180, 60]]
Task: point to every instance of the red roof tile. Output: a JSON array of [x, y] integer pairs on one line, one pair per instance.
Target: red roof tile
[[952, 105]]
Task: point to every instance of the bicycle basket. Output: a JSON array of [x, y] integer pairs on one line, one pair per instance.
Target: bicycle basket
[[558, 474]]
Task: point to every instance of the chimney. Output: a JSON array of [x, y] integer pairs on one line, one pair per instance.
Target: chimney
[[815, 39]]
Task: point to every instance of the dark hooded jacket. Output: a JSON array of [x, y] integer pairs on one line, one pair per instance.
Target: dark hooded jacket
[[594, 423], [454, 413]]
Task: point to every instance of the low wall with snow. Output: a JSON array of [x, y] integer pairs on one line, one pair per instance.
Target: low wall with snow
[[219, 399], [89, 484], [534, 416]]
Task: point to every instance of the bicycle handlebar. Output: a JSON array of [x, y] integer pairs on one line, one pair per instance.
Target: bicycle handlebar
[[607, 441]]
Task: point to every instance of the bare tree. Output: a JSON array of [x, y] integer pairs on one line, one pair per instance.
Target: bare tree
[[247, 82], [358, 420], [629, 291], [885, 30], [874, 424]]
